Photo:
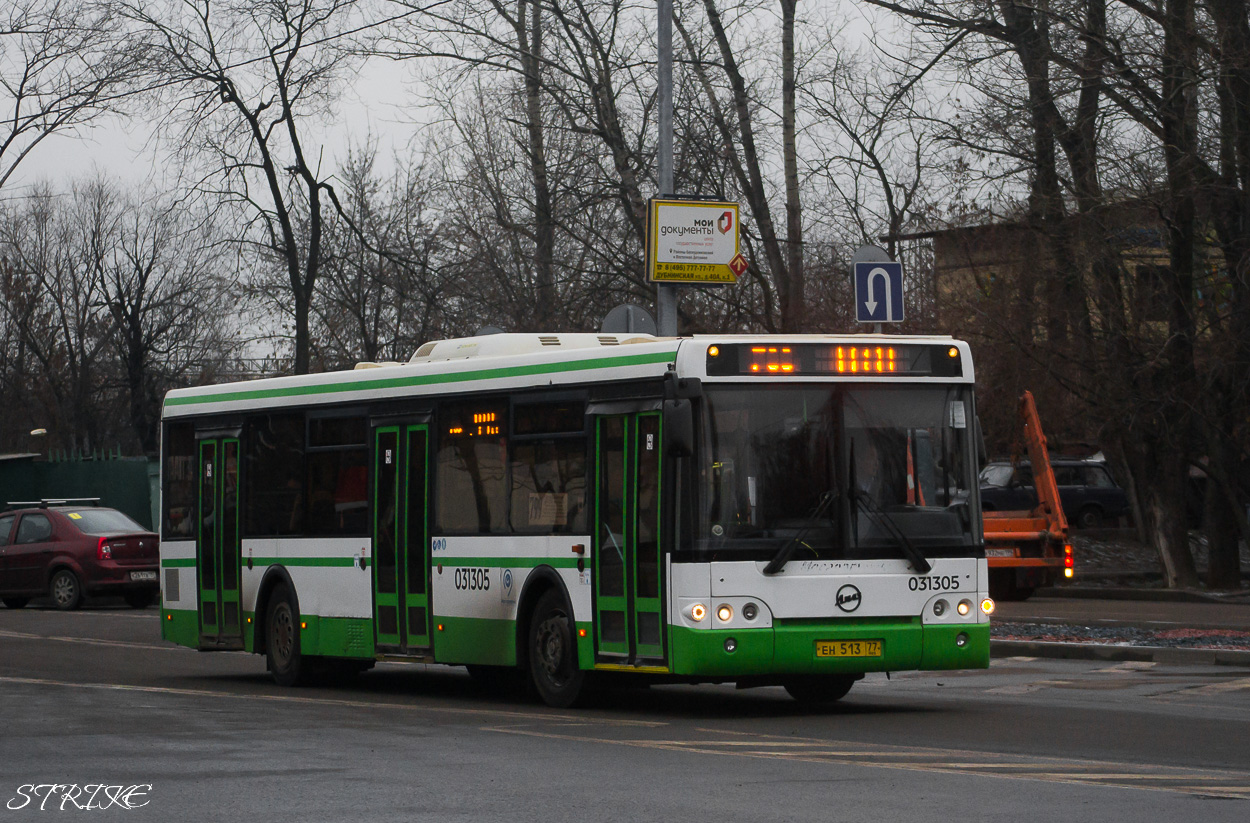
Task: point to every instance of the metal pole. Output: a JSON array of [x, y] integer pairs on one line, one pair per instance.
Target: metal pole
[[665, 295]]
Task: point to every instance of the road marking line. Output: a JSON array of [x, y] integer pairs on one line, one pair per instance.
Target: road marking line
[[1068, 772], [1025, 688], [90, 641], [1217, 688], [322, 701], [1127, 667]]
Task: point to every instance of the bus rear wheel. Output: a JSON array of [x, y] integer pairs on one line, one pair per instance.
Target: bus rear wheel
[[820, 690], [282, 652], [553, 652]]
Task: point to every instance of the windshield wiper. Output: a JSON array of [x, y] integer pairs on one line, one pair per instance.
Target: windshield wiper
[[782, 557], [918, 561]]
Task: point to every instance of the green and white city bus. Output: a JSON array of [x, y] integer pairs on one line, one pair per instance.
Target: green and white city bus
[[763, 510]]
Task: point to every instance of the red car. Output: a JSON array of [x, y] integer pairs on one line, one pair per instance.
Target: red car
[[69, 551]]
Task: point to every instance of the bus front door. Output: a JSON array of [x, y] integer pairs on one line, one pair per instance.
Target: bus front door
[[401, 542], [627, 553], [217, 544]]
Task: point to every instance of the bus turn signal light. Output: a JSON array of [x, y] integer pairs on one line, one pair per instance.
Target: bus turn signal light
[[697, 612], [987, 606]]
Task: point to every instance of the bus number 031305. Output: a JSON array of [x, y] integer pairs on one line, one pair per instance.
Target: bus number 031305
[[472, 579], [933, 584]]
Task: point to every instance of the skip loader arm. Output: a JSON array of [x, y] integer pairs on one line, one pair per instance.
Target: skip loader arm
[[1048, 504]]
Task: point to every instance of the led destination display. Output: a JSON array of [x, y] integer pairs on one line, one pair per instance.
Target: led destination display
[[842, 360]]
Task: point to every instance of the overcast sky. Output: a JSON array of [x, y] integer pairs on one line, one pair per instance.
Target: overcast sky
[[381, 101]]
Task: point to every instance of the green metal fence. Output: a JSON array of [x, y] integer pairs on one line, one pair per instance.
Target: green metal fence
[[129, 484]]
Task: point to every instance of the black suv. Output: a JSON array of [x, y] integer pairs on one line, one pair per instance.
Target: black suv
[[1089, 493]]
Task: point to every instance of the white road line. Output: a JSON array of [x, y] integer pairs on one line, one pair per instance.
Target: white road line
[[323, 701], [89, 641]]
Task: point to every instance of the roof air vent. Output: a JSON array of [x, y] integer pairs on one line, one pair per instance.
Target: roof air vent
[[549, 341], [605, 340]]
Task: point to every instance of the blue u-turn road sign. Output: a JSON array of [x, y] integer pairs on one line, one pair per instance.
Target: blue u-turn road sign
[[879, 292]]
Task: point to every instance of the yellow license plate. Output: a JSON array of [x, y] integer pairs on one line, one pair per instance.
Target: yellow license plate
[[848, 648]]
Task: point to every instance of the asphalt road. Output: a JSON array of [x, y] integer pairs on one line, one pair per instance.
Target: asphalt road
[[95, 697]]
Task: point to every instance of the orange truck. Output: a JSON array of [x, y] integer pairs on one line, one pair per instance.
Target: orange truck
[[1027, 549]]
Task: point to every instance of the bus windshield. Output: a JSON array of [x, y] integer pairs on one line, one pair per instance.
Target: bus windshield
[[853, 471]]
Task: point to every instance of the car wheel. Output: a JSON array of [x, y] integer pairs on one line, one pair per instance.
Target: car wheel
[[553, 653], [66, 591], [820, 690], [15, 602], [1089, 517], [140, 599], [282, 652]]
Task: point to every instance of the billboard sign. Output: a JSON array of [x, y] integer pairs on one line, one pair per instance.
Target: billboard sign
[[693, 242]]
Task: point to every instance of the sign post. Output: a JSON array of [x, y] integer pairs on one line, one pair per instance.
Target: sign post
[[665, 295], [878, 282]]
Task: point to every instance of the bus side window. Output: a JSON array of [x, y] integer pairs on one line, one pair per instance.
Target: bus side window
[[178, 497], [338, 476], [472, 465], [549, 486], [274, 498]]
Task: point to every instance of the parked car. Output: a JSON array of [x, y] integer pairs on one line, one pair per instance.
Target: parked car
[[1089, 493], [68, 552]]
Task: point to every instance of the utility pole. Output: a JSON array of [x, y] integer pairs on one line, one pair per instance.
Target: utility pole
[[665, 294]]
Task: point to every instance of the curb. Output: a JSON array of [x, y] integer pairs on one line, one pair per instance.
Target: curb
[[1124, 593], [1162, 655]]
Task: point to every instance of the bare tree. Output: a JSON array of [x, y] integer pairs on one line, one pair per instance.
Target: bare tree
[[53, 250], [386, 285], [62, 64], [246, 82], [165, 282]]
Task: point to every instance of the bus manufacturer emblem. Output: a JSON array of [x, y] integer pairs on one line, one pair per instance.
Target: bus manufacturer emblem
[[848, 598]]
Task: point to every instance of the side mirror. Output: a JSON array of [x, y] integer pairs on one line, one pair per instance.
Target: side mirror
[[678, 428]]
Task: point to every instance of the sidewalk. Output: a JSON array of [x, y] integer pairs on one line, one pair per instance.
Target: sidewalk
[[1200, 630]]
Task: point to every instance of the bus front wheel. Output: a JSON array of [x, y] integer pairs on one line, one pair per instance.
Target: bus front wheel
[[282, 652], [815, 691], [553, 652]]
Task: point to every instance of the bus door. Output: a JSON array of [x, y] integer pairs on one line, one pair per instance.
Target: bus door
[[217, 553], [401, 543], [627, 557]]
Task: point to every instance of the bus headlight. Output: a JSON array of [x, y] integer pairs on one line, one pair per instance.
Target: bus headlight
[[750, 611], [697, 612], [724, 612], [939, 607], [964, 607]]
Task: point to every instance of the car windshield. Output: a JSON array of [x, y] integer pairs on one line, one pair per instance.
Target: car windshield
[[102, 521], [996, 475], [854, 471]]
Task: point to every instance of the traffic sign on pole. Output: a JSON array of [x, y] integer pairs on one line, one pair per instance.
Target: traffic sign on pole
[[879, 292]]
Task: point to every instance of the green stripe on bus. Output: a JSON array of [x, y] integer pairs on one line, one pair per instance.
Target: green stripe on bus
[[343, 562], [507, 562], [302, 561], [427, 380]]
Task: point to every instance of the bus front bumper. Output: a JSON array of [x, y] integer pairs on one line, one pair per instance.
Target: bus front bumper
[[789, 647]]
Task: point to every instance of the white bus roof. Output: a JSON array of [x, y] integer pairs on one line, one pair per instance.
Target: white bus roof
[[505, 362]]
